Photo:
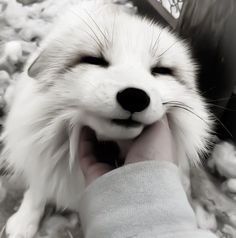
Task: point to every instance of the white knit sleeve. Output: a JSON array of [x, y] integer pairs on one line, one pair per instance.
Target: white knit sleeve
[[142, 200]]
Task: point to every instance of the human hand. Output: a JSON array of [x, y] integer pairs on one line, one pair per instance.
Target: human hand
[[155, 143]]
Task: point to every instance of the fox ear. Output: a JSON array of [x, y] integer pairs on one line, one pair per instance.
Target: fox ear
[[39, 65]]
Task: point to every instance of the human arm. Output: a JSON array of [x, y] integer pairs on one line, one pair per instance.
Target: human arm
[[144, 198]]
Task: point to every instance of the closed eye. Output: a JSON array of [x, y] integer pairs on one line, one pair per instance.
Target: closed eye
[[94, 60], [159, 70]]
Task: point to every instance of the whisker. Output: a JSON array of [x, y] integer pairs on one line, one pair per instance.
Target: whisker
[[101, 46], [207, 91], [113, 28], [219, 100], [208, 104], [157, 41], [180, 105], [151, 44], [177, 103], [221, 107], [186, 109], [168, 49], [95, 40], [222, 124], [99, 28]]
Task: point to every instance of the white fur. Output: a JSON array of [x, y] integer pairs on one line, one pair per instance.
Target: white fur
[[47, 112]]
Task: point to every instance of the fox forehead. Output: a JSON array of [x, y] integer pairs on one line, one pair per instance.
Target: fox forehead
[[119, 37]]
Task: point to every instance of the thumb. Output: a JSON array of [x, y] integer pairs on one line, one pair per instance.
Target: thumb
[[155, 143], [91, 168]]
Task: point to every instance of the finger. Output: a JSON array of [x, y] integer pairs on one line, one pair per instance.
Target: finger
[[155, 143], [91, 168], [86, 149], [87, 141]]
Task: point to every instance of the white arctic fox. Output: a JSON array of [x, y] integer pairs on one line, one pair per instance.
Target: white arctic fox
[[106, 69]]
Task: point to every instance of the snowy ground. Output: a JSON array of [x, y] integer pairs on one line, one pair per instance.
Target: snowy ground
[[23, 24]]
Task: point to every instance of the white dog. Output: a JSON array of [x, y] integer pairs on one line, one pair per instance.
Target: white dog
[[108, 70]]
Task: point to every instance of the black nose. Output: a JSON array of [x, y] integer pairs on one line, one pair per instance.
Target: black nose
[[133, 99]]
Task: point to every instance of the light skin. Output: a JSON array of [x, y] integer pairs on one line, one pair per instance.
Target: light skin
[[155, 143]]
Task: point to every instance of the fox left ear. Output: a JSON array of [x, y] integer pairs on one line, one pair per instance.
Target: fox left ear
[[39, 65]]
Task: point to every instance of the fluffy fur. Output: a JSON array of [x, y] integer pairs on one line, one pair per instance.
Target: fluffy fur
[[57, 95]]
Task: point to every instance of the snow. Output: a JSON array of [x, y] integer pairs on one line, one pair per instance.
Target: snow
[[224, 155], [215, 192]]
